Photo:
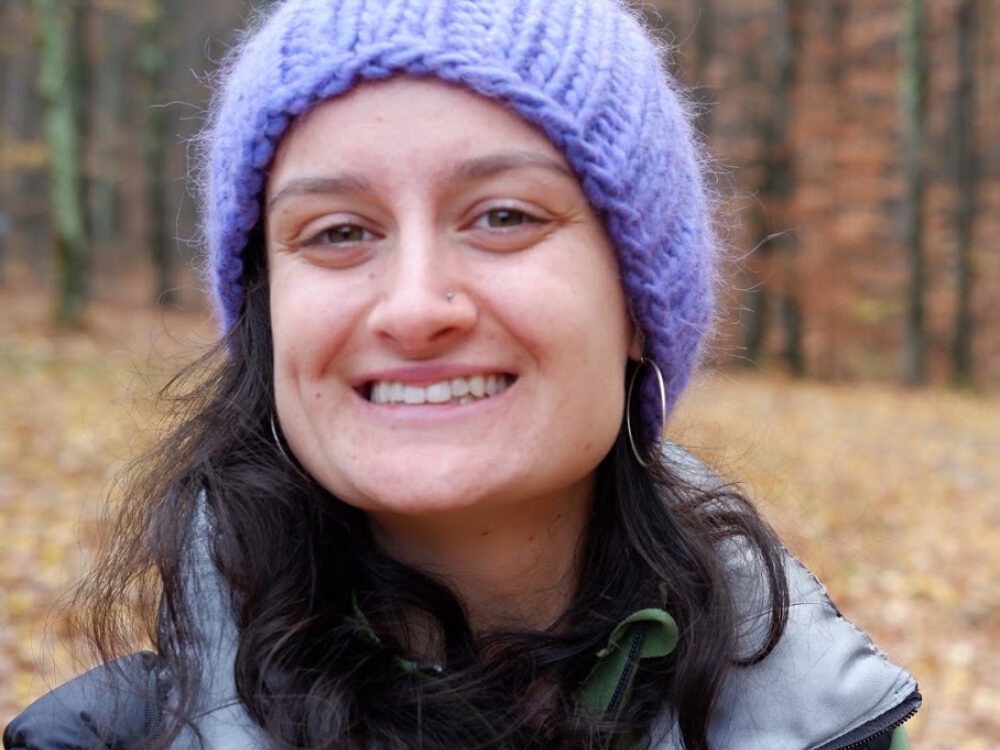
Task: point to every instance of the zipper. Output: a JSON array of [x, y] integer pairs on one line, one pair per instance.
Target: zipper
[[625, 681], [896, 716], [157, 687]]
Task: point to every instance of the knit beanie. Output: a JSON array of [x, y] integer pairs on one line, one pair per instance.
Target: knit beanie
[[584, 71]]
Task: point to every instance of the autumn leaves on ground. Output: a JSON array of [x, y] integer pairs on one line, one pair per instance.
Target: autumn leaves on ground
[[892, 496]]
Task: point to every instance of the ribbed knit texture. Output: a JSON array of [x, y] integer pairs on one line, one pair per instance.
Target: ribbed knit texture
[[584, 71]]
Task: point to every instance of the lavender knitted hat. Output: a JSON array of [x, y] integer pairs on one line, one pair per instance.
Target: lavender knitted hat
[[585, 72]]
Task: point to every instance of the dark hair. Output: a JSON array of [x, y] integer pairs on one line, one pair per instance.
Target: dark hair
[[323, 615]]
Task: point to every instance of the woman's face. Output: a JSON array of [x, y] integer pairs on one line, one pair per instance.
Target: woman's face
[[449, 329]]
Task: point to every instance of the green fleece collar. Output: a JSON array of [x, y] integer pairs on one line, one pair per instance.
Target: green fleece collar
[[648, 633]]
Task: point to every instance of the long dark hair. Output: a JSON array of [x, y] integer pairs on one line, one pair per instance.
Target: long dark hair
[[324, 616]]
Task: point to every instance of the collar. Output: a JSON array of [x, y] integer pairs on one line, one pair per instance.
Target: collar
[[825, 686]]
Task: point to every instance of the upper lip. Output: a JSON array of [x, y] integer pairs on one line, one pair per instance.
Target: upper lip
[[424, 375]]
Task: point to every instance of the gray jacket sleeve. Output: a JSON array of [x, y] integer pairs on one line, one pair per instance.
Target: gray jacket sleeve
[[120, 705], [114, 705], [220, 720]]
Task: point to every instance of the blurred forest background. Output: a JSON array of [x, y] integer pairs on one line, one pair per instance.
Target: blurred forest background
[[857, 145]]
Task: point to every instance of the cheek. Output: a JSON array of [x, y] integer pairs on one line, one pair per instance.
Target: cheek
[[578, 333], [291, 327], [310, 327]]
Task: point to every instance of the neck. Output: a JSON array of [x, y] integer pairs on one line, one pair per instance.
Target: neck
[[512, 567]]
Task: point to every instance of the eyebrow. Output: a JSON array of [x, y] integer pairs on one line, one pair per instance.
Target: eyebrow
[[494, 164], [467, 171], [331, 185]]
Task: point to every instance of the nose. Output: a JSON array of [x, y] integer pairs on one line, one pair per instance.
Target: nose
[[423, 305]]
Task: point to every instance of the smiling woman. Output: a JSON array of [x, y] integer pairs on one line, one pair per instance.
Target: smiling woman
[[450, 336], [473, 201], [463, 260]]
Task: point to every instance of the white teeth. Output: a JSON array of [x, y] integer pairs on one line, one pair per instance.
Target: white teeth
[[380, 393], [477, 386], [455, 390], [414, 395], [439, 393], [396, 393], [459, 387]]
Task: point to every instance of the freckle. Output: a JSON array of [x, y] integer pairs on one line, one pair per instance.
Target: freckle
[[485, 533], [531, 538], [371, 276]]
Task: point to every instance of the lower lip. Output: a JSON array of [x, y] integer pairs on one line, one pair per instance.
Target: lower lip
[[431, 413]]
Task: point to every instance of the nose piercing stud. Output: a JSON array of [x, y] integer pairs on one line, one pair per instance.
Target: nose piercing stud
[[449, 296]]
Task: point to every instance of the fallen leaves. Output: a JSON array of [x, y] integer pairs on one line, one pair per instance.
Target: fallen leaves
[[73, 410], [891, 496]]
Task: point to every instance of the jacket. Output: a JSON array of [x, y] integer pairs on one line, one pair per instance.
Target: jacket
[[825, 686]]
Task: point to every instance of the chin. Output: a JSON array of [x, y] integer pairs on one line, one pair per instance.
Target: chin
[[402, 491], [418, 505]]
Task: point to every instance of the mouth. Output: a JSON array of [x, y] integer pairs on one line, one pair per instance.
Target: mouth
[[465, 390]]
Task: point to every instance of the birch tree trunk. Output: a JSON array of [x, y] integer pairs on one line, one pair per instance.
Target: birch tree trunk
[[914, 368], [55, 85]]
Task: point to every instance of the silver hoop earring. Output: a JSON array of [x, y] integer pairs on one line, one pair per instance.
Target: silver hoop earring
[[277, 442], [646, 463]]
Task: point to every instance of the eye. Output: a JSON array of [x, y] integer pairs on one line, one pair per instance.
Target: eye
[[505, 218], [340, 234]]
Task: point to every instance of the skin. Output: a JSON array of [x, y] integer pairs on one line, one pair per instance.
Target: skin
[[379, 204]]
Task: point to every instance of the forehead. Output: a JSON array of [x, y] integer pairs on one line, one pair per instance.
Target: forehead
[[420, 123]]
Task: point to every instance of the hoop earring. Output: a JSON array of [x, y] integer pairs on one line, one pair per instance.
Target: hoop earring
[[646, 463], [278, 445]]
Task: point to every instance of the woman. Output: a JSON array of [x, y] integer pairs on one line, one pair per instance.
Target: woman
[[462, 254]]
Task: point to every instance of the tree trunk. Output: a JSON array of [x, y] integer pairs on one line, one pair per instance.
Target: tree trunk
[[705, 43], [791, 325], [153, 62], [753, 319], [780, 178], [7, 51], [55, 85], [914, 368], [80, 73], [22, 179], [108, 84], [965, 183], [776, 248]]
